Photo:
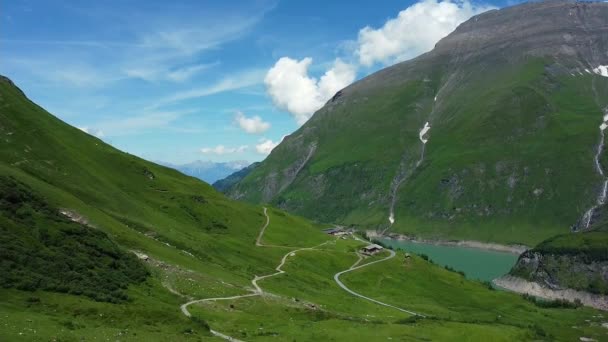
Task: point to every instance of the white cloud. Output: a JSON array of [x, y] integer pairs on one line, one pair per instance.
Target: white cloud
[[252, 125], [92, 131], [221, 150], [266, 146], [292, 89], [415, 30]]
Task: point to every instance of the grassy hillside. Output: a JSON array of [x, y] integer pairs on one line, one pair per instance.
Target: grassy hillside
[[73, 211], [514, 121], [43, 250]]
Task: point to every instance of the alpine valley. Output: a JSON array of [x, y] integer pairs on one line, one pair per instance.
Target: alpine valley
[[493, 138]]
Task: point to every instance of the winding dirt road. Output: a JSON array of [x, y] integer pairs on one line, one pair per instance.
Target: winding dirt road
[[279, 268], [258, 291], [356, 267]]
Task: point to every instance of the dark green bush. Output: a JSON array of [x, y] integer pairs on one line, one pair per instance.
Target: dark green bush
[[557, 303], [40, 249]]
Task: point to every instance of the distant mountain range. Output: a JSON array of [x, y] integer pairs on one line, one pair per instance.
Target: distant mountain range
[[226, 183], [209, 171]]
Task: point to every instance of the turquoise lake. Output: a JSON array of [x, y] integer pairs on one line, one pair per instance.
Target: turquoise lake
[[476, 263]]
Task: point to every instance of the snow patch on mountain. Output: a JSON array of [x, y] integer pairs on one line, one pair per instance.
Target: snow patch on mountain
[[601, 70], [423, 131]]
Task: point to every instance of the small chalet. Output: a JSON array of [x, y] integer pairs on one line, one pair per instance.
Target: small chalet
[[371, 249], [335, 231]]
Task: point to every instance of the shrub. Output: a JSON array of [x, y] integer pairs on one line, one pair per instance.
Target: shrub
[[488, 284], [426, 258], [409, 320], [557, 303], [454, 270], [41, 249]]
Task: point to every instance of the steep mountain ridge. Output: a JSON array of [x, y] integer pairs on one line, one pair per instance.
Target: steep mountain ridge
[[227, 182], [513, 99]]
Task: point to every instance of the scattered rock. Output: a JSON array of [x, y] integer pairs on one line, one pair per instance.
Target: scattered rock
[[141, 256]]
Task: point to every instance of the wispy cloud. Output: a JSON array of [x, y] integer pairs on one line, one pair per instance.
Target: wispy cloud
[[159, 73], [76, 74], [193, 38], [157, 48], [140, 122], [65, 43], [222, 150], [236, 81]]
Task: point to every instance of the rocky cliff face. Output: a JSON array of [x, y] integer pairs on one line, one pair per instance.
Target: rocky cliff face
[[513, 99], [572, 32], [550, 28], [531, 288], [558, 272]]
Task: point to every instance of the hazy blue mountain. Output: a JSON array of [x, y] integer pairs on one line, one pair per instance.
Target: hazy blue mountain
[[226, 183], [209, 171]]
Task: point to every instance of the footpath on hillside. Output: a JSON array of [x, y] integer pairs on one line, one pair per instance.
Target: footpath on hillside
[[258, 291]]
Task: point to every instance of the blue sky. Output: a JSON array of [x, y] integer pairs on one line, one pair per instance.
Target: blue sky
[[178, 81]]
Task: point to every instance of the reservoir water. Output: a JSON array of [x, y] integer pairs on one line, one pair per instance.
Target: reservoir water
[[476, 263]]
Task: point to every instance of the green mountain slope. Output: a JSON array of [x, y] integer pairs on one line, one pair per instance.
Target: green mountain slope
[[74, 212], [53, 174], [514, 106], [226, 183], [42, 249]]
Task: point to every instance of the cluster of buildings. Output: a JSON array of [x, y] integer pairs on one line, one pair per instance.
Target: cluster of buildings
[[337, 231]]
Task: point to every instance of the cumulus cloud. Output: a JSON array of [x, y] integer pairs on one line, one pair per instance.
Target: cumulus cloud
[[252, 125], [92, 131], [266, 146], [415, 30], [221, 149], [293, 90]]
